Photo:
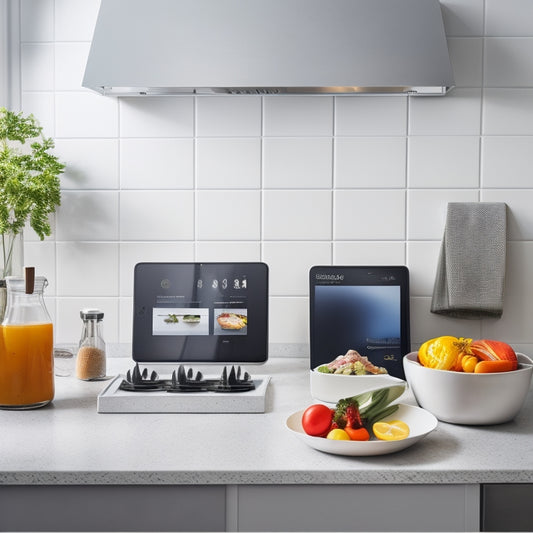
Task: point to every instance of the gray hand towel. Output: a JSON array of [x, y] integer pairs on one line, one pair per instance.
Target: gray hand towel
[[471, 269]]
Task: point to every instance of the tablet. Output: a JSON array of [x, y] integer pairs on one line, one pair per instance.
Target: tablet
[[200, 312], [364, 308]]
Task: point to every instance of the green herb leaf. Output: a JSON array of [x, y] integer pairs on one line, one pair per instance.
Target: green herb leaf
[[29, 175]]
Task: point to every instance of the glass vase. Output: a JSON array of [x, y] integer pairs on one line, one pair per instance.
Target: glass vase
[[11, 263]]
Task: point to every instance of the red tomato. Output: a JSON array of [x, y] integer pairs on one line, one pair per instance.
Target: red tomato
[[316, 420]]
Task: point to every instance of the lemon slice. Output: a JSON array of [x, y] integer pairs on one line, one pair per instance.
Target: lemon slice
[[393, 430]]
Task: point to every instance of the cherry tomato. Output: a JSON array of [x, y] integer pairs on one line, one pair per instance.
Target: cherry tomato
[[316, 420]]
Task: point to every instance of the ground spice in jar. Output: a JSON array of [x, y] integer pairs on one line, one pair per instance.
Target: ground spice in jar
[[90, 363]]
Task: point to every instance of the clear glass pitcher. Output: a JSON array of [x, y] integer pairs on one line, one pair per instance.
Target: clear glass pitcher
[[26, 345]]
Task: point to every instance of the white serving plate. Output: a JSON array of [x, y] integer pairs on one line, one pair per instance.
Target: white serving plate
[[420, 422], [330, 388]]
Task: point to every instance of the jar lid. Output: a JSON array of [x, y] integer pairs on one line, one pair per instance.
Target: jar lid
[[88, 314], [18, 283]]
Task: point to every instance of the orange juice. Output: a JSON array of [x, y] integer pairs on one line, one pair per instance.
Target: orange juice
[[26, 365]]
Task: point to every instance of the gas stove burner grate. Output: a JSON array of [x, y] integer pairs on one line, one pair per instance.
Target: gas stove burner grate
[[137, 381], [187, 381]]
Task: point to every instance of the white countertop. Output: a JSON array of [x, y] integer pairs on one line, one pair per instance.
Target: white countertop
[[68, 442]]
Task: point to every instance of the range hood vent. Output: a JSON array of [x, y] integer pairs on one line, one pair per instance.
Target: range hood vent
[[166, 47]]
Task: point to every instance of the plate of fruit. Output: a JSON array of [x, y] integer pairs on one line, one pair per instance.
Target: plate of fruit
[[371, 423]]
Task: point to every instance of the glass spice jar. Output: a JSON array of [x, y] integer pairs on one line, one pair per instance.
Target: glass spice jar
[[26, 345], [91, 358]]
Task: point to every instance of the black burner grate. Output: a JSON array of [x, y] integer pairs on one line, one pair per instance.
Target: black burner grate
[[187, 381]]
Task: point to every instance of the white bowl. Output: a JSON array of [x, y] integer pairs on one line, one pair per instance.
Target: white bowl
[[420, 423], [468, 398], [330, 388]]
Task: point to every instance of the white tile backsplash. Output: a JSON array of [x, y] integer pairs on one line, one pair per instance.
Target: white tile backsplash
[[224, 116], [508, 112], [69, 323], [149, 252], [163, 163], [42, 254], [229, 215], [153, 215], [297, 215], [90, 163], [370, 115], [69, 65], [370, 162], [422, 260], [87, 269], [42, 106], [37, 21], [509, 18], [520, 215], [458, 113], [426, 210], [288, 320], [85, 114], [507, 161], [228, 163], [300, 116], [440, 162], [357, 215], [289, 264], [508, 62], [156, 116], [88, 216], [369, 253], [515, 323], [289, 180], [75, 19], [37, 66], [302, 163], [228, 251]]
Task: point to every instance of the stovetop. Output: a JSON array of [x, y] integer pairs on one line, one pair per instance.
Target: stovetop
[[185, 391], [186, 380]]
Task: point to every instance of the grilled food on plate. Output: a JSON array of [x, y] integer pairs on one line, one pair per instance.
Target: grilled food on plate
[[232, 321]]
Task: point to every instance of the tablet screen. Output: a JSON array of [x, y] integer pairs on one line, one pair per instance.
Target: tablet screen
[[200, 312], [360, 308]]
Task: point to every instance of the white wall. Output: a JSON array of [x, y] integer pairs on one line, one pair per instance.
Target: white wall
[[292, 181]]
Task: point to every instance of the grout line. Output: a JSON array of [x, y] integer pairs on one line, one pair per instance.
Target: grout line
[[482, 100]]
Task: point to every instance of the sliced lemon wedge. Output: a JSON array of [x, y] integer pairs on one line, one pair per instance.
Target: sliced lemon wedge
[[393, 430]]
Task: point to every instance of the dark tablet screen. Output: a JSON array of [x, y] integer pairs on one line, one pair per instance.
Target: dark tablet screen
[[200, 312], [360, 308]]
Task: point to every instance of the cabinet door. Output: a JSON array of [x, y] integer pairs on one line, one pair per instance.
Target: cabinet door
[[507, 507], [112, 508], [358, 508]]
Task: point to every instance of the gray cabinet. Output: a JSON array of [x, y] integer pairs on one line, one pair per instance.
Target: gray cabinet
[[358, 508], [239, 508], [112, 508]]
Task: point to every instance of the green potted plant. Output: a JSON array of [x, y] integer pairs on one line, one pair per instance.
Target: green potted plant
[[29, 188]]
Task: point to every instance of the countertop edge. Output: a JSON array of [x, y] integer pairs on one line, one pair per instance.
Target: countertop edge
[[377, 477]]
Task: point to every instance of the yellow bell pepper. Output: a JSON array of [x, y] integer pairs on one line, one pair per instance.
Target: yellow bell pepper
[[443, 353]]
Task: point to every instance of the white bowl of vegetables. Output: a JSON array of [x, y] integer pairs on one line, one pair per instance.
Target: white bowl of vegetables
[[348, 375]]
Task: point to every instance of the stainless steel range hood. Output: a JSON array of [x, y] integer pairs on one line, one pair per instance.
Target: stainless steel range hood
[[159, 47]]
